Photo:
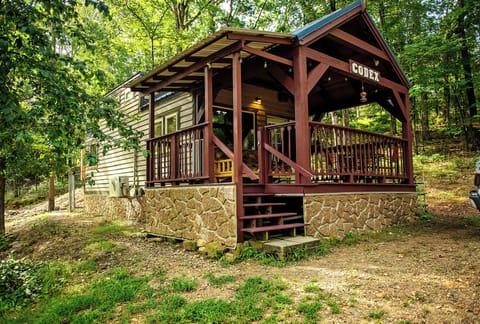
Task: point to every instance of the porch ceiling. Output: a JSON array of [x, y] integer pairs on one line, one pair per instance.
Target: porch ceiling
[[186, 69]]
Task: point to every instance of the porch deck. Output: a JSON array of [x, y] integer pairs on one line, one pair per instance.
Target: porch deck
[[340, 158]]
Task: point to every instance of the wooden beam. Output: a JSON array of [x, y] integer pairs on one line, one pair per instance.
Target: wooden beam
[[315, 75], [199, 58], [345, 68], [326, 28], [358, 43], [267, 55], [406, 116], [368, 21], [245, 168], [196, 66], [260, 38], [282, 77]]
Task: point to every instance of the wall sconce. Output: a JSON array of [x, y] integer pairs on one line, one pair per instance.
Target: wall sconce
[[376, 62], [258, 100]]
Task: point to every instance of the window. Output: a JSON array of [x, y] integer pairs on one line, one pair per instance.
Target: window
[[171, 123], [159, 127], [166, 124]]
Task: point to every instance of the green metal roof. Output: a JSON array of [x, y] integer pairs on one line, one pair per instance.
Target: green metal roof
[[316, 24]]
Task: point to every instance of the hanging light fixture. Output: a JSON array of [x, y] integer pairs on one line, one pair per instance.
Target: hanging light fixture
[[363, 95]]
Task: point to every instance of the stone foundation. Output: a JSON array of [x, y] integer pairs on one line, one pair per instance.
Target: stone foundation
[[115, 207], [209, 212], [331, 215], [193, 213]]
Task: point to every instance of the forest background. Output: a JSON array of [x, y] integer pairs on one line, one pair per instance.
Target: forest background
[[59, 58]]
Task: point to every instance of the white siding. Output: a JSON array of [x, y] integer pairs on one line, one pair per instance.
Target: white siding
[[118, 162]]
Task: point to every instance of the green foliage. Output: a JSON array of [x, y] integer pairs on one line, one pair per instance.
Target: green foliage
[[108, 228], [23, 281], [219, 280], [310, 310], [377, 314], [474, 220], [183, 284], [94, 305], [5, 241]]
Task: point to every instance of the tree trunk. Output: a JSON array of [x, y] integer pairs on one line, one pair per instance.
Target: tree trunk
[[393, 125], [425, 122], [346, 119], [51, 193], [3, 165], [473, 138]]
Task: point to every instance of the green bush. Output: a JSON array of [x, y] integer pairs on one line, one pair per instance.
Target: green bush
[[5, 240], [21, 281]]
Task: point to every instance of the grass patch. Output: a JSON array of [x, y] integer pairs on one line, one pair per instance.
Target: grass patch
[[377, 314], [310, 311], [108, 228], [473, 221], [220, 280], [101, 296], [183, 285]]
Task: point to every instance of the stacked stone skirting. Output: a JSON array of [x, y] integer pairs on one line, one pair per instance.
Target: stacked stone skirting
[[209, 212], [331, 215], [193, 213], [115, 207]]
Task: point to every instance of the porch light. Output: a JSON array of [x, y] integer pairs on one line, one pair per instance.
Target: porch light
[[363, 95], [265, 64], [258, 100]]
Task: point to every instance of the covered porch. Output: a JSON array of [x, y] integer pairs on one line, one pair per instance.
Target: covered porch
[[260, 101]]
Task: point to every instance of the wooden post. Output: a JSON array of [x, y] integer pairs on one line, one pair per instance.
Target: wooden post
[[237, 139], [302, 132], [209, 149], [71, 191], [51, 192], [407, 134], [151, 134]]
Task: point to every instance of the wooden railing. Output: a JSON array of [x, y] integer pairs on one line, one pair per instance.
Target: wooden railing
[[337, 154], [351, 155], [177, 157]]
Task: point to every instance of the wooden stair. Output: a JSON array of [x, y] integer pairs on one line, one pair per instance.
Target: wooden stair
[[266, 215]]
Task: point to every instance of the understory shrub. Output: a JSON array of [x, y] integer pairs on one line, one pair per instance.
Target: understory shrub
[[21, 281]]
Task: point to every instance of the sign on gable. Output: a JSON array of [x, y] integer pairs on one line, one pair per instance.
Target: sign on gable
[[364, 71]]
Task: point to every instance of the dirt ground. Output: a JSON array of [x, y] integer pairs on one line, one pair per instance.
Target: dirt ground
[[429, 272]]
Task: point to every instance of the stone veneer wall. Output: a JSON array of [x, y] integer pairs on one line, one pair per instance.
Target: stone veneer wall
[[331, 215], [193, 213], [115, 207]]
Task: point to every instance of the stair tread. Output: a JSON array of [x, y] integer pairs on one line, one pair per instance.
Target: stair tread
[[256, 194], [264, 204], [273, 227], [272, 215]]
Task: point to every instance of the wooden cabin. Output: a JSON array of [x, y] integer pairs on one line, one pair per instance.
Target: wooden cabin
[[257, 157]]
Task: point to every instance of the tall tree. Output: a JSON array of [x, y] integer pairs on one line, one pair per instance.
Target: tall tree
[[45, 92]]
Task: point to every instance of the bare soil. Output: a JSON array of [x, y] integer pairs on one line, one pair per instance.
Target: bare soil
[[427, 272]]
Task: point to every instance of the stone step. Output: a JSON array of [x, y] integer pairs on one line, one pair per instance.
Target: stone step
[[282, 247]]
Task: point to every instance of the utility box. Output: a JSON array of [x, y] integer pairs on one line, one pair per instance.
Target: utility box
[[118, 186]]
